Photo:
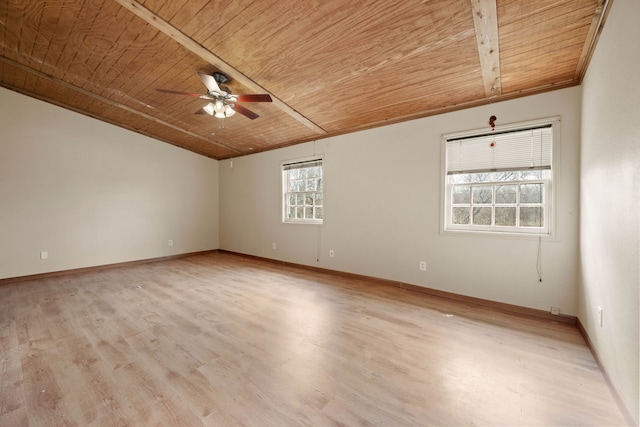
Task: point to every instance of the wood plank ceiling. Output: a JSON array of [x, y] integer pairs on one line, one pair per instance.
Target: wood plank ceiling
[[331, 66]]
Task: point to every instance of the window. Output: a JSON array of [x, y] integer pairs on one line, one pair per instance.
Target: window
[[501, 181], [302, 191]]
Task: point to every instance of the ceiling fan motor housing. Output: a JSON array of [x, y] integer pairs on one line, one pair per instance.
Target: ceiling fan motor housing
[[220, 77]]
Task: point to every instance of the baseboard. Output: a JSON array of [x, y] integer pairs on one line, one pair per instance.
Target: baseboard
[[617, 396], [18, 279], [495, 305], [504, 307]]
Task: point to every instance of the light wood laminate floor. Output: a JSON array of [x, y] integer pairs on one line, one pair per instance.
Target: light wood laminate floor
[[219, 339]]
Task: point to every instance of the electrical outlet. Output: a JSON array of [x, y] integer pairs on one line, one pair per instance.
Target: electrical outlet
[[331, 253], [423, 265], [170, 242], [44, 255], [555, 311], [274, 246]]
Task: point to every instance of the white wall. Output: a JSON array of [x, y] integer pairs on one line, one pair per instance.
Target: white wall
[[382, 210], [610, 191], [90, 193]]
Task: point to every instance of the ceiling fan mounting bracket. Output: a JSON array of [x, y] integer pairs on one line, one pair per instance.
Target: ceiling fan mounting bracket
[[220, 77]]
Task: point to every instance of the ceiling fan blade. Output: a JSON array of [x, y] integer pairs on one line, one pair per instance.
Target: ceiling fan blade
[[210, 82], [255, 97], [245, 112], [201, 111], [177, 92]]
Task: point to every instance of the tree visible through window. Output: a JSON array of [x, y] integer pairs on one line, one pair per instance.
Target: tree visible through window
[[500, 182], [499, 199], [303, 191]]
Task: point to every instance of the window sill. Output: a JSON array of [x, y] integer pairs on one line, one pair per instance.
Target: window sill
[[303, 222], [497, 234]]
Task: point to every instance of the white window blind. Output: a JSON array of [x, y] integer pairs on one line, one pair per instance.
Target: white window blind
[[500, 151]]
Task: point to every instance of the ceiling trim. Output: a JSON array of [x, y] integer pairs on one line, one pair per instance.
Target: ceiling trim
[[485, 21], [101, 98], [597, 22], [196, 48]]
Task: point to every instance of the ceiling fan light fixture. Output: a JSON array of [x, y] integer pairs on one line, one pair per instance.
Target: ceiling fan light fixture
[[218, 107], [209, 108]]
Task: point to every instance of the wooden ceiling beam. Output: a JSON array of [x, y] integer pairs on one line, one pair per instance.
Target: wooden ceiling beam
[[208, 56], [485, 20], [108, 101]]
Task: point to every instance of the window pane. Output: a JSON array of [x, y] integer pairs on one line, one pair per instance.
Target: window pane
[[460, 179], [531, 216], [461, 194], [531, 193], [311, 184], [318, 199], [530, 175], [291, 213], [482, 177], [319, 184], [506, 194], [318, 212], [460, 216], [505, 176], [292, 199], [299, 212], [482, 195], [506, 217], [308, 213], [299, 199], [482, 216]]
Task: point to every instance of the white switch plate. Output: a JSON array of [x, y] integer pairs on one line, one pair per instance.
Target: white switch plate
[[274, 246], [44, 255], [170, 242], [423, 265], [331, 253]]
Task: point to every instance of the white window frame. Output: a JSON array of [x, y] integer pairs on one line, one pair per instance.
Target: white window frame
[[550, 186], [286, 192]]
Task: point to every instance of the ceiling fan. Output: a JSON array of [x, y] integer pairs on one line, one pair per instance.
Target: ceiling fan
[[222, 102]]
